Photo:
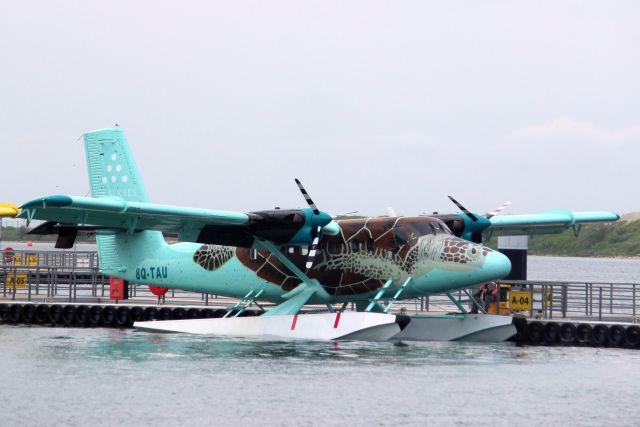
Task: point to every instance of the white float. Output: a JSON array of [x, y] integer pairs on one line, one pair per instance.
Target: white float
[[348, 325], [461, 327]]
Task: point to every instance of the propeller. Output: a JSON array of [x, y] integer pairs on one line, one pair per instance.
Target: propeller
[[471, 216], [316, 232], [473, 231], [497, 210]]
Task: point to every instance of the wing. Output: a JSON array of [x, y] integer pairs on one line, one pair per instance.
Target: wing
[[548, 222], [281, 226]]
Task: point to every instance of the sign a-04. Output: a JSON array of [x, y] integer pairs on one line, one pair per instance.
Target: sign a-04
[[520, 300]]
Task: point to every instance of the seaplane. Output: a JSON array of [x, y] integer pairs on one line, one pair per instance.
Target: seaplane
[[292, 258]]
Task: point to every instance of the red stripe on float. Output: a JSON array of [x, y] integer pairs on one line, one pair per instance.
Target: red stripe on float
[[295, 320], [335, 324]]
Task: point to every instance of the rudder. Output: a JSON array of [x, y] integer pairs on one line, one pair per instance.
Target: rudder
[[114, 173]]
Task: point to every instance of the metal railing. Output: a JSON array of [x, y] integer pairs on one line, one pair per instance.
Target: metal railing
[[74, 276], [595, 300], [59, 259]]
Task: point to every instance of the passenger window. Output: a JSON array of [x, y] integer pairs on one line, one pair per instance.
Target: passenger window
[[304, 251], [291, 250], [369, 244], [355, 245]]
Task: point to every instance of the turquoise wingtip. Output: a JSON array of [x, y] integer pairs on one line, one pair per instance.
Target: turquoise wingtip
[[51, 201]]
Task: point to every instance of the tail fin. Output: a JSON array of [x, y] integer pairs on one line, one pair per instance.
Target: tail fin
[[113, 173], [112, 170]]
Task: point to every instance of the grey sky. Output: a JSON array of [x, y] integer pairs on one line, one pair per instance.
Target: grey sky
[[371, 104]]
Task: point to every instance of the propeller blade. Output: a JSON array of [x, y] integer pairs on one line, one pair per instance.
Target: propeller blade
[[313, 249], [471, 216], [307, 198], [497, 210]]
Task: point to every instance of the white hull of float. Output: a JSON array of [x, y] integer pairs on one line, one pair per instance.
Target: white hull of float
[[320, 326], [466, 327]]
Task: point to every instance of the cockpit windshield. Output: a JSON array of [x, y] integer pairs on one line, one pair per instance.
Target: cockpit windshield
[[406, 231]]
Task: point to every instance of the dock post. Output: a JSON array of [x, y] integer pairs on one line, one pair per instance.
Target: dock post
[[600, 305]]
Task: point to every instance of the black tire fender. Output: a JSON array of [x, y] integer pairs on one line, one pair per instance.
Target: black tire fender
[[108, 315], [136, 314], [164, 314], [616, 335], [600, 337], [208, 313], [28, 314], [194, 313], [568, 333], [123, 318], [551, 333], [69, 315], [584, 332], [150, 313], [535, 332], [179, 313], [14, 313], [55, 314], [42, 314], [82, 316], [632, 336], [95, 315]]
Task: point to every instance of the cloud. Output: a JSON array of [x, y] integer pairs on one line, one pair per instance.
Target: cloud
[[566, 129]]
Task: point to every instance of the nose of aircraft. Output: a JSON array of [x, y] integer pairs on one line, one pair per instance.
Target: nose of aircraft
[[496, 266]]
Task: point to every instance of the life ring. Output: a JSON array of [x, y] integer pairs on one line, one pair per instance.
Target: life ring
[[8, 255], [535, 332], [27, 314], [42, 314], [122, 318], [568, 333], [82, 316], [158, 290], [69, 315], [632, 336], [551, 333], [108, 315], [616, 335], [584, 333], [95, 315], [599, 336]]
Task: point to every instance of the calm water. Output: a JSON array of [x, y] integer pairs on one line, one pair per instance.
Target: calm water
[[65, 376], [53, 376]]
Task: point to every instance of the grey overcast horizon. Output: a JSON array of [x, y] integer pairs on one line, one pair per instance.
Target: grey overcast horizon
[[369, 103]]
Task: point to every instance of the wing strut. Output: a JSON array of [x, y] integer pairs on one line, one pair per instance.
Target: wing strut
[[301, 294]]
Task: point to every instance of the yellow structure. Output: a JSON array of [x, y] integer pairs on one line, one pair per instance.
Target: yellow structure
[[8, 210]]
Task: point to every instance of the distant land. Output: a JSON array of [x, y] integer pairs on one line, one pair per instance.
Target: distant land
[[618, 239]]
